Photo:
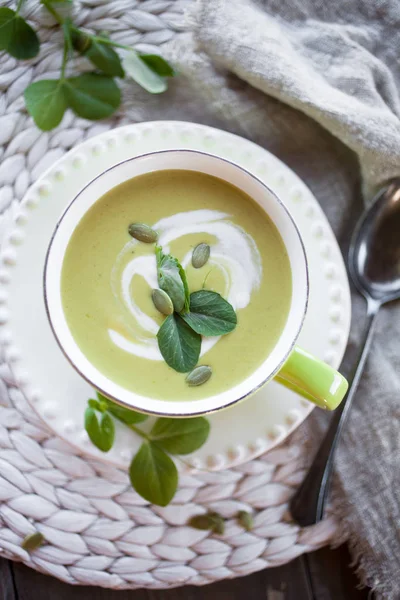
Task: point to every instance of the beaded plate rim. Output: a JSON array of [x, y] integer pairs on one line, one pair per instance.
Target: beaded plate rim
[[243, 152]]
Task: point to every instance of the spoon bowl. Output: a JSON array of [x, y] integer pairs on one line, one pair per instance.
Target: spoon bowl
[[374, 257]]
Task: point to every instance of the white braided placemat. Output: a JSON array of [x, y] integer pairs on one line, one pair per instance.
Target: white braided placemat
[[98, 531]]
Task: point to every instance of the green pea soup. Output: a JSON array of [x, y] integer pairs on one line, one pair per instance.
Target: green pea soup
[[107, 279]]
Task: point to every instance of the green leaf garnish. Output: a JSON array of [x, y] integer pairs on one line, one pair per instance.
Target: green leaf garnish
[[210, 314], [101, 434], [179, 344], [16, 36], [126, 415], [180, 436], [46, 102], [172, 279], [143, 74], [105, 59], [92, 96], [158, 64], [153, 474]]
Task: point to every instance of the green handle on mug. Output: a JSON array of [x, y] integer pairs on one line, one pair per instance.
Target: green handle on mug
[[313, 379]]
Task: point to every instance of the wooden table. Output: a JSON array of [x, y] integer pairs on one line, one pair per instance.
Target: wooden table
[[322, 575]]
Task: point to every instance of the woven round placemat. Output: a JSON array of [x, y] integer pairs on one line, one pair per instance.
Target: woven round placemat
[[98, 531]]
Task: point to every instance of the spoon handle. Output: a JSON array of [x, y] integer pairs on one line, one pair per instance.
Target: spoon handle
[[307, 505]]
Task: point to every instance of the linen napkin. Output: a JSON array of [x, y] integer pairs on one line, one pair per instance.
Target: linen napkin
[[316, 82]]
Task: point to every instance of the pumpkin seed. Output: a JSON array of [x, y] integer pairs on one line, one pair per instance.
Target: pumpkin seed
[[245, 520], [211, 521], [200, 255], [143, 233], [162, 302], [199, 375], [32, 541]]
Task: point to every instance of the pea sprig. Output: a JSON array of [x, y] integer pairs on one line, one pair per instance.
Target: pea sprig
[[93, 95]]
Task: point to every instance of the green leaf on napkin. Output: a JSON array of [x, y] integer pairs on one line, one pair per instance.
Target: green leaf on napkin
[[158, 64], [145, 76]]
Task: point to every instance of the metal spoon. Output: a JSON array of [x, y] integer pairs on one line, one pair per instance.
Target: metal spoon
[[374, 265]]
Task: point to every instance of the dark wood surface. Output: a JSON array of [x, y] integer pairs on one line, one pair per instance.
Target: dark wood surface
[[322, 575]]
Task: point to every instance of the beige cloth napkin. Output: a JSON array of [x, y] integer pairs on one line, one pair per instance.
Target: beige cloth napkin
[[316, 82]]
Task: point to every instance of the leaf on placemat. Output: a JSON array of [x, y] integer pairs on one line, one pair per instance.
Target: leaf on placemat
[[46, 102], [210, 314], [179, 344], [92, 96], [153, 474], [158, 64], [105, 59], [16, 36], [126, 415], [143, 74], [211, 521], [101, 433], [180, 436], [81, 41]]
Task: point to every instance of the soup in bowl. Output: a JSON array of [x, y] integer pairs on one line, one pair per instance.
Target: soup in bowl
[[176, 283]]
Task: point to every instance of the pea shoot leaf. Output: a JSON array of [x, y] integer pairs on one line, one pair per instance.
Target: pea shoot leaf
[[81, 40], [7, 17], [92, 96], [158, 64], [210, 314], [180, 436], [145, 76], [172, 279], [104, 58], [153, 474], [16, 36], [179, 344], [46, 102], [101, 433], [126, 415]]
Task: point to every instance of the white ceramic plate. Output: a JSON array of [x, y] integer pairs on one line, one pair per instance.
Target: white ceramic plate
[[52, 386]]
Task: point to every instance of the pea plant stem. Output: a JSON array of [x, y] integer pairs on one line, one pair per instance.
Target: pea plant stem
[[19, 5], [52, 11], [108, 42]]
